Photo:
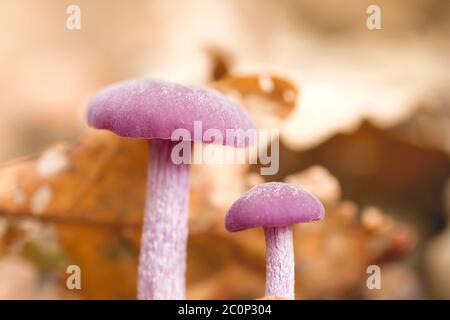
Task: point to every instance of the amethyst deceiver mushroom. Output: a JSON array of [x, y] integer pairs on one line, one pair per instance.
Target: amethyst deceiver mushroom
[[275, 206], [153, 109]]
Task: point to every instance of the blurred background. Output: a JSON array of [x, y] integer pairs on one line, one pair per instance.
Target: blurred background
[[364, 119]]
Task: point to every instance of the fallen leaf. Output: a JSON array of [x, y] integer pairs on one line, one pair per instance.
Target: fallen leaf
[[270, 99], [89, 189]]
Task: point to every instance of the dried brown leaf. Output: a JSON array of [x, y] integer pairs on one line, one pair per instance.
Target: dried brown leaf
[[270, 99]]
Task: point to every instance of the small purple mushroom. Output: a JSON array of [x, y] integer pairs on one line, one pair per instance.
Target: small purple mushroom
[[276, 207], [153, 109]]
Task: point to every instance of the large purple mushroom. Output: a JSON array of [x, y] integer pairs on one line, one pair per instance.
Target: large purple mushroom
[[153, 109], [276, 207]]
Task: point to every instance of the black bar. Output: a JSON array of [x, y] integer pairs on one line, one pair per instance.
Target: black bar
[[207, 309]]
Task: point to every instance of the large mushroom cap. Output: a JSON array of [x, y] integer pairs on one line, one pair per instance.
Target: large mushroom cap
[[153, 109], [273, 204]]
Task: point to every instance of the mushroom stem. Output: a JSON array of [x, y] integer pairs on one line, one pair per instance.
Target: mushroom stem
[[280, 265], [162, 260]]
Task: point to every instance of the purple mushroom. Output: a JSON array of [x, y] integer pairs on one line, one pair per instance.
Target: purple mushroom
[[153, 109], [276, 207]]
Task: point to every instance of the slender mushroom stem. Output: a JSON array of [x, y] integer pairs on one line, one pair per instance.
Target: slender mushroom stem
[[162, 261], [280, 265]]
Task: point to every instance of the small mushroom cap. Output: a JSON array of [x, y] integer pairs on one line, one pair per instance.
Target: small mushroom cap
[[273, 204], [153, 109]]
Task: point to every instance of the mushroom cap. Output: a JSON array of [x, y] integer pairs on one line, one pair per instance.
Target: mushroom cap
[[273, 204], [153, 109]]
